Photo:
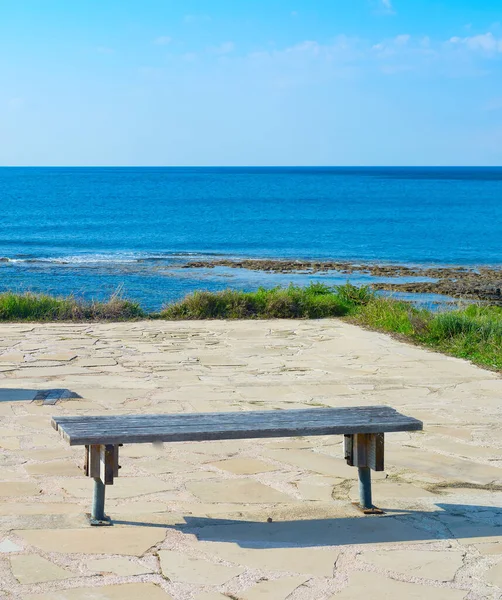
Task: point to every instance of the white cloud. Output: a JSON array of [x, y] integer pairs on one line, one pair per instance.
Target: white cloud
[[386, 7], [105, 50], [224, 48], [388, 48], [196, 18], [402, 40], [163, 40], [485, 42]]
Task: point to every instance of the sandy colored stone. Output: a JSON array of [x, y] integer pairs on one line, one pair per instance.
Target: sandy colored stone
[[123, 487], [278, 589], [456, 432], [118, 565], [464, 450], [445, 467], [441, 566], [237, 490], [58, 356], [13, 357], [211, 596], [96, 362], [7, 546], [494, 575], [38, 508], [8, 432], [306, 561], [10, 443], [382, 588], [487, 549], [125, 591], [56, 467], [18, 488], [48, 453], [165, 465], [316, 492], [243, 466], [133, 541], [317, 463], [186, 569], [31, 568], [388, 490]]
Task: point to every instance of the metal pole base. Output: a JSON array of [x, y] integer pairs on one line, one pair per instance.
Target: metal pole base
[[365, 488], [365, 501], [97, 516]]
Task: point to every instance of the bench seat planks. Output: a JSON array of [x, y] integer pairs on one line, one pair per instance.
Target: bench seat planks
[[122, 429]]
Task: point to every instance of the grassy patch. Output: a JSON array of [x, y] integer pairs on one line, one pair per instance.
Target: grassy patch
[[40, 307], [473, 333], [314, 302]]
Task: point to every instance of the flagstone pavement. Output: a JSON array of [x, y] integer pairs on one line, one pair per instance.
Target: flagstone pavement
[[246, 519]]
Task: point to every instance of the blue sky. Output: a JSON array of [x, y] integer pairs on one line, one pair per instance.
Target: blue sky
[[251, 82]]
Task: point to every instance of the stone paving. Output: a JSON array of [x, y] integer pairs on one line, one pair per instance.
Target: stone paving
[[246, 519]]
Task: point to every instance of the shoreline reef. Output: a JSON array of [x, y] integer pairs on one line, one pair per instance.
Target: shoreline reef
[[467, 282]]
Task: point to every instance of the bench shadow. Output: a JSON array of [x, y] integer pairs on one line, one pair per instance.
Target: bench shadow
[[390, 528], [29, 395]]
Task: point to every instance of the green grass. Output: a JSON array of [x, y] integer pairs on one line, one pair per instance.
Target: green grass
[[40, 307], [473, 333], [314, 302]]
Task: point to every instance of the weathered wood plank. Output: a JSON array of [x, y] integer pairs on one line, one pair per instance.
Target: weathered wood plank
[[235, 425], [305, 414]]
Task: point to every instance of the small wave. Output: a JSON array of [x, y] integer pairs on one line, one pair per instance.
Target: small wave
[[107, 258]]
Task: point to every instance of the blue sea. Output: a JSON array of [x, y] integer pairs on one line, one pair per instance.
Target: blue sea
[[93, 231]]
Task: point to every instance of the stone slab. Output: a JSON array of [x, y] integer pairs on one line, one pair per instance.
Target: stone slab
[[8, 546], [494, 575], [383, 588], [186, 569], [123, 487], [307, 561], [244, 466], [437, 565], [31, 568], [118, 565], [133, 541], [38, 508], [237, 490], [18, 488], [125, 591], [62, 468], [277, 589], [318, 463]]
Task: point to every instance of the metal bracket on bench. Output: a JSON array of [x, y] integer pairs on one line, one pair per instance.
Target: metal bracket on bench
[[365, 451], [102, 464]]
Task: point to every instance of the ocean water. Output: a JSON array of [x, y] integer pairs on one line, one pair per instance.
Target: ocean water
[[91, 231]]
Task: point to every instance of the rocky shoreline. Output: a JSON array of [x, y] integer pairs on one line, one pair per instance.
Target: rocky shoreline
[[474, 283]]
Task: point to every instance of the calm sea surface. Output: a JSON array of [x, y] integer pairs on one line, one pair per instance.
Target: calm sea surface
[[90, 231]]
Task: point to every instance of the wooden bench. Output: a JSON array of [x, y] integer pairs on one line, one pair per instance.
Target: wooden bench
[[362, 426]]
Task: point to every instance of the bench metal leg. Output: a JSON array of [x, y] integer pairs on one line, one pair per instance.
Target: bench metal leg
[[98, 501], [365, 488], [101, 463], [365, 451]]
